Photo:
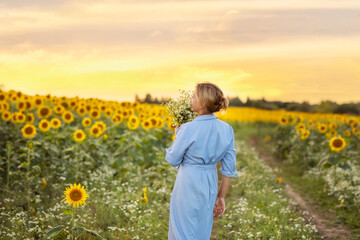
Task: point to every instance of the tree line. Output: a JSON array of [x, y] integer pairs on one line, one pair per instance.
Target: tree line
[[325, 106]]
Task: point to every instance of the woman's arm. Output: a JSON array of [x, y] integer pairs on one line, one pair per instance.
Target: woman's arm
[[219, 208]]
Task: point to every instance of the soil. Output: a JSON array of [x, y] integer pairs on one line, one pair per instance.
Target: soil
[[315, 214]]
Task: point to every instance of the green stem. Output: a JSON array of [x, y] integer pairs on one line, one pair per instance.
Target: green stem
[[8, 165], [28, 186], [72, 222]]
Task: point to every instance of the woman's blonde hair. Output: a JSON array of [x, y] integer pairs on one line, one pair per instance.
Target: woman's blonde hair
[[212, 96]]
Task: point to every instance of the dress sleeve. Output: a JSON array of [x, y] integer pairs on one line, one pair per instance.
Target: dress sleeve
[[176, 152], [228, 163]]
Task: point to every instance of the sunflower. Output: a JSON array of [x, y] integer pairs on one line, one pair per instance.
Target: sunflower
[[146, 124], [44, 125], [154, 121], [14, 117], [55, 123], [44, 112], [30, 118], [305, 134], [108, 113], [38, 101], [337, 143], [125, 114], [283, 121], [322, 128], [75, 195], [95, 114], [95, 131], [347, 133], [6, 115], [117, 118], [133, 122], [79, 135], [160, 123], [171, 125], [29, 131], [2, 97], [300, 127], [354, 131], [59, 109], [67, 116], [21, 105], [101, 125], [86, 122], [81, 111], [167, 119], [20, 117]]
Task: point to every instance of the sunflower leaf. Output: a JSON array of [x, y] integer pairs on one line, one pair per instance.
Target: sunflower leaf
[[93, 233], [56, 232]]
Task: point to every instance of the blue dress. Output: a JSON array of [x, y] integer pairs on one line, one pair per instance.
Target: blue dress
[[197, 147]]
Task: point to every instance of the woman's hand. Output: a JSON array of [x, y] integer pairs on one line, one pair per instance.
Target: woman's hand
[[219, 207], [177, 127]]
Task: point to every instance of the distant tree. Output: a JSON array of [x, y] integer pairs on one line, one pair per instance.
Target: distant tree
[[347, 108], [326, 107], [148, 98], [235, 101]]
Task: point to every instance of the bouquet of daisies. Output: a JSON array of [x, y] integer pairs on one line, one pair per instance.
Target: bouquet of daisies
[[180, 108]]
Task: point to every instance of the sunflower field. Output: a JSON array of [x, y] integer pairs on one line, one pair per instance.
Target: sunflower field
[[107, 159]]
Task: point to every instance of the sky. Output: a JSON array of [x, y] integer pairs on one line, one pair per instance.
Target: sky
[[278, 50]]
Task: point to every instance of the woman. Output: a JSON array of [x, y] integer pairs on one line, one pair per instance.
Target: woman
[[197, 147]]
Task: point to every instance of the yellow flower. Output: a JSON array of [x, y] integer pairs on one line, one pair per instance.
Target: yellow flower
[[6, 115], [81, 111], [267, 138], [279, 180], [172, 125], [95, 114], [144, 199], [117, 118], [146, 124], [322, 128], [20, 118], [29, 131], [342, 202], [283, 121], [44, 112], [133, 122], [95, 131], [30, 118], [86, 122], [30, 144], [173, 137], [337, 143], [305, 134], [75, 195], [44, 125], [79, 135], [67, 116], [43, 183], [300, 127], [105, 136], [347, 133], [55, 123]]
